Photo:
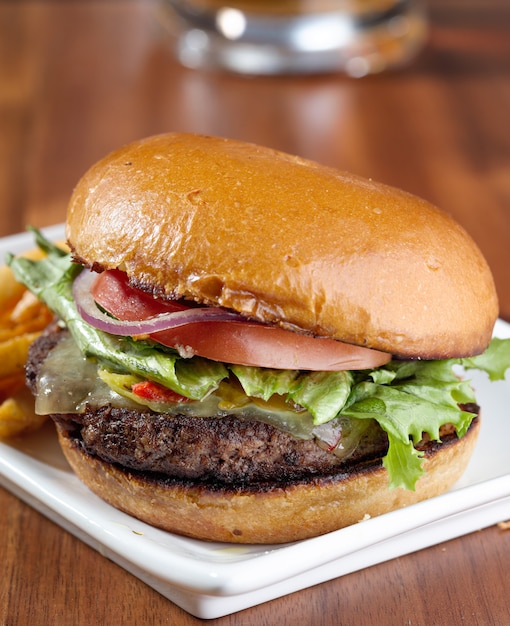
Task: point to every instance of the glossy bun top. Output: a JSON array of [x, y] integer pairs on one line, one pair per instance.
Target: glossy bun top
[[284, 240]]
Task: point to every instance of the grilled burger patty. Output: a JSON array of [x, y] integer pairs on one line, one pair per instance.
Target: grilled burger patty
[[226, 450]]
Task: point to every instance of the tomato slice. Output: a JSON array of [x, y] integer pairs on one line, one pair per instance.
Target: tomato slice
[[112, 291], [242, 343]]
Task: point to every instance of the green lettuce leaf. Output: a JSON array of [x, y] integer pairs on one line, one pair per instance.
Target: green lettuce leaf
[[322, 394], [263, 383], [403, 463], [494, 361], [404, 417]]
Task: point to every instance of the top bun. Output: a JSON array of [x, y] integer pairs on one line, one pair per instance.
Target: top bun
[[288, 241]]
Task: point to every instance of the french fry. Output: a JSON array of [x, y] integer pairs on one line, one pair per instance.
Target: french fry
[[27, 321], [10, 290], [26, 308], [9, 385], [17, 415], [22, 318], [14, 352], [31, 327]]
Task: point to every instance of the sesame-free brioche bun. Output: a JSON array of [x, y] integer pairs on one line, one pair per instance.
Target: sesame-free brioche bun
[[286, 241], [278, 513]]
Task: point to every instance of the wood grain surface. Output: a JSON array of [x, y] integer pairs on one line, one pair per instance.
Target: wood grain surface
[[78, 79]]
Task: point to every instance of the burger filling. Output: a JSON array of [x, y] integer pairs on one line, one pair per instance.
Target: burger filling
[[253, 444], [132, 397]]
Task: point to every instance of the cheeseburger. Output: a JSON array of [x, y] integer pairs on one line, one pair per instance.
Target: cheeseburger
[[251, 347]]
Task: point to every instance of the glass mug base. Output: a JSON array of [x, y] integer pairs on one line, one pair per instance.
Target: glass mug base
[[354, 37]]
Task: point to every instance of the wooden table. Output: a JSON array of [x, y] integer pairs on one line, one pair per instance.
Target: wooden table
[[81, 78]]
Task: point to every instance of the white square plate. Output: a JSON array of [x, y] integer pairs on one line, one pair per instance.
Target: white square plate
[[210, 580]]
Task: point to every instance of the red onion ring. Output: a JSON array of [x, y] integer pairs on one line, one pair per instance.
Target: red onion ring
[[92, 314]]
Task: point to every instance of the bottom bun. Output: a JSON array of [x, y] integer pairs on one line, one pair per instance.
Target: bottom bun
[[267, 514]]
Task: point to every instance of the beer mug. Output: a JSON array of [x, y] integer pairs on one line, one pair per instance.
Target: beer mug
[[265, 37]]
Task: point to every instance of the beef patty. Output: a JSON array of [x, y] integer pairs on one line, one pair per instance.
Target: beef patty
[[225, 450]]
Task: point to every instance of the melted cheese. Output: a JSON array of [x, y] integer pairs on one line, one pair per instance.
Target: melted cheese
[[68, 383]]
